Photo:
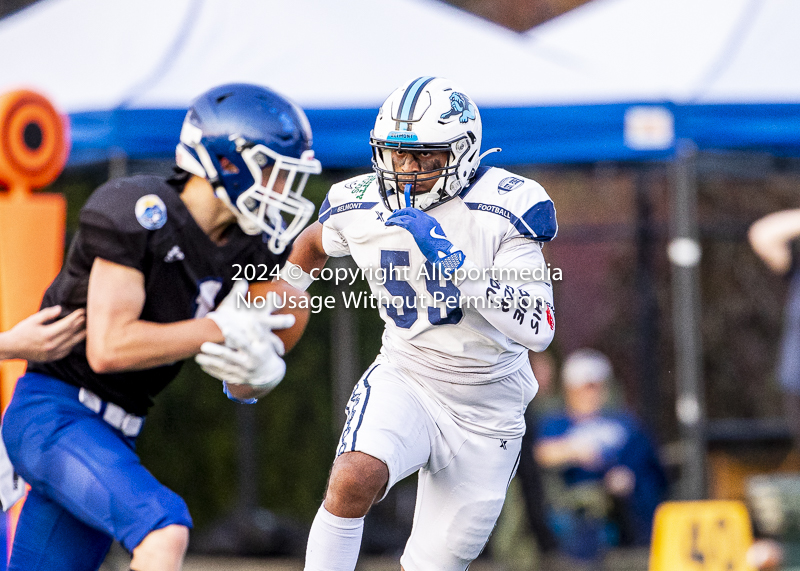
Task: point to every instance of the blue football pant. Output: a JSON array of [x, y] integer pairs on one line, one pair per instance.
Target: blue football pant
[[88, 484], [49, 537]]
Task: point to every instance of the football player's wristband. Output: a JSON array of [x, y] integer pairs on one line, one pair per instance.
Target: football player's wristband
[[233, 398], [295, 276]]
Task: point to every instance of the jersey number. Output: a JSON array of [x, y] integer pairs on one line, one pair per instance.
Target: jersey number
[[207, 291], [445, 296]]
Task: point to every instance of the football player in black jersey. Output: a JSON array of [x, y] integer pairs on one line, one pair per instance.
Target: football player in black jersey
[[150, 263]]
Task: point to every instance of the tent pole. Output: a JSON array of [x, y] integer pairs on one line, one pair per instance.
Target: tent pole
[[649, 397], [117, 163], [684, 254]]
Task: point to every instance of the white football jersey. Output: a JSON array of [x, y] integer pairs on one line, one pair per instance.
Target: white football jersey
[[499, 221]]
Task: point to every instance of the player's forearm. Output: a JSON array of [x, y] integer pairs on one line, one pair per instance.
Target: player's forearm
[[6, 346], [307, 256], [39, 338], [143, 345], [565, 451], [523, 313], [553, 453], [307, 251]]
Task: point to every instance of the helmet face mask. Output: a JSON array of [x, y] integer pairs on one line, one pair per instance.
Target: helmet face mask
[[276, 206], [230, 136], [426, 115]]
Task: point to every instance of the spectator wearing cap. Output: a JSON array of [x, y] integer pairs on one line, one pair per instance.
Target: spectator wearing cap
[[608, 477]]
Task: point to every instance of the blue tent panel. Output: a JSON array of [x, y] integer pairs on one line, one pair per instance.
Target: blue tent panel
[[139, 133], [527, 135], [530, 135], [773, 128], [560, 134]]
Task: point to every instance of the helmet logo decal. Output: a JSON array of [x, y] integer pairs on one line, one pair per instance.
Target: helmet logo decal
[[151, 212], [460, 105]]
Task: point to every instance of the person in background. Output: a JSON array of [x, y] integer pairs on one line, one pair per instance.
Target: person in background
[[43, 337], [774, 238], [608, 473]]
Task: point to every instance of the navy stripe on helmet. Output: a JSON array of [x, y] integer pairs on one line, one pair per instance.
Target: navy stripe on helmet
[[409, 100]]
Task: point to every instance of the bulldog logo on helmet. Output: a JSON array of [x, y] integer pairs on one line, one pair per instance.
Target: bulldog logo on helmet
[[460, 105]]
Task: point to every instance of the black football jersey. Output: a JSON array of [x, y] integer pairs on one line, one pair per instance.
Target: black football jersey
[[141, 222]]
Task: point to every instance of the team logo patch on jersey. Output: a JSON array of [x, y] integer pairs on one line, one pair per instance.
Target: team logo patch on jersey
[[460, 105], [360, 187], [509, 183], [151, 212]]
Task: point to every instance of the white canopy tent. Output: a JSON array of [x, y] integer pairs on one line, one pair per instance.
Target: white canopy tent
[[726, 69], [683, 51], [126, 72], [611, 80]]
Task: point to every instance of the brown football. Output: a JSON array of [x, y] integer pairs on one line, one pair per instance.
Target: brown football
[[292, 301]]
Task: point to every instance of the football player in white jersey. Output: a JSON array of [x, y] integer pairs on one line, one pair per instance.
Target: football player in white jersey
[[453, 253]]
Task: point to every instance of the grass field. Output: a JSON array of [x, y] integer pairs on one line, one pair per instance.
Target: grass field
[[617, 560], [205, 563]]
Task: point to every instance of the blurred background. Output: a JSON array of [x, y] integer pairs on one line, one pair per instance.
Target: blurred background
[[662, 131]]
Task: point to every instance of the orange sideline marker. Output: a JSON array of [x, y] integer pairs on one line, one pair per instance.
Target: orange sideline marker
[[33, 151]]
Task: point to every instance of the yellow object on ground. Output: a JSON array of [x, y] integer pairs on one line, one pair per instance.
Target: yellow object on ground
[[701, 536]]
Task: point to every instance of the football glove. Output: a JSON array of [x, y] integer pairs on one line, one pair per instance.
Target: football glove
[[259, 365], [242, 326], [430, 238]]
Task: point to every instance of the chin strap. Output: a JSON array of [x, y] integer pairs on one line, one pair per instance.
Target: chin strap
[[425, 200], [248, 226], [187, 162]]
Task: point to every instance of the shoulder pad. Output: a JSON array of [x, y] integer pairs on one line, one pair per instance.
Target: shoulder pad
[[522, 201], [357, 193], [135, 204]]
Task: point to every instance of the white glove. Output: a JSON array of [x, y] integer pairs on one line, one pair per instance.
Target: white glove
[[258, 365], [242, 326]]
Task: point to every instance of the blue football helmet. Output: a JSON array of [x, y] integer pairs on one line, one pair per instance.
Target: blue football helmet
[[230, 135]]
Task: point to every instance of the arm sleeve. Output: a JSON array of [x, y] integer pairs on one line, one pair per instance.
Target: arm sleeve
[[515, 294], [334, 244]]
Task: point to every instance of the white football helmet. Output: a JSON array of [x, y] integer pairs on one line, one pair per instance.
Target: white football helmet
[[427, 114]]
